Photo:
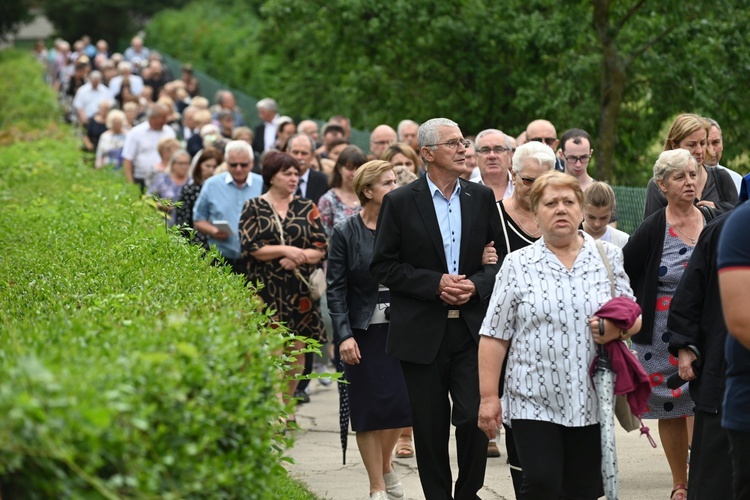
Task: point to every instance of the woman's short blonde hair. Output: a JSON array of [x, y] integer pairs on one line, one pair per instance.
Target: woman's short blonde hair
[[684, 125], [672, 161], [116, 114], [555, 179], [367, 174], [600, 195], [167, 143]]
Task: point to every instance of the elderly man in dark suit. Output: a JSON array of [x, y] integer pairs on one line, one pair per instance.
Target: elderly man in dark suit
[[428, 252], [312, 184]]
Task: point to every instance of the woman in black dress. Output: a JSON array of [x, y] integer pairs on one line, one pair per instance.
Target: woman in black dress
[[203, 167], [520, 229]]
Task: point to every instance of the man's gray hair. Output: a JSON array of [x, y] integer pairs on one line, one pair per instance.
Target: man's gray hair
[[95, 74], [125, 65], [268, 104], [713, 122], [239, 147], [538, 151], [300, 134], [489, 131], [156, 109], [404, 123], [429, 131]]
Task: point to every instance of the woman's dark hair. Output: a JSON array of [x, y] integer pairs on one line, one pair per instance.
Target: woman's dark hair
[[208, 153], [352, 158], [275, 162]]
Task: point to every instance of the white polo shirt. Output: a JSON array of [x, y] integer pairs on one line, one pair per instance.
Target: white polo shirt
[[88, 98], [140, 148]]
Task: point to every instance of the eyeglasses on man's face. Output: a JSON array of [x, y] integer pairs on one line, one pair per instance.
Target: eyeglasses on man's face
[[584, 159], [498, 150], [549, 141], [452, 144], [239, 164]]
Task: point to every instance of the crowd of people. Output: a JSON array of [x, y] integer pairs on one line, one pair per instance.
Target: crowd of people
[[464, 273]]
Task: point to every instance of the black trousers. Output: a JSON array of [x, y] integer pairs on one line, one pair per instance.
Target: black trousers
[[454, 372], [558, 462], [739, 450], [710, 464]]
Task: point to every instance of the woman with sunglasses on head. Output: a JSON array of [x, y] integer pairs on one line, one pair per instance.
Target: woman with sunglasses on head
[[520, 229]]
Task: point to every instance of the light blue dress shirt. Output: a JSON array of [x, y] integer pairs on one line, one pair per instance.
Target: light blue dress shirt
[[448, 213], [222, 199]]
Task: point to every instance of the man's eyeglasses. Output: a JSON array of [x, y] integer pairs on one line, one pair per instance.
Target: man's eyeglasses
[[238, 164], [584, 159], [498, 150], [527, 181], [549, 141], [452, 144]]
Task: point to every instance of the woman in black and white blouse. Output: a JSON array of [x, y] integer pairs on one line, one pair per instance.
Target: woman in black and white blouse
[[541, 315]]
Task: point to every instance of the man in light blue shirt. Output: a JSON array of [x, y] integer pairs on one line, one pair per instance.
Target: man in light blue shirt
[[222, 198]]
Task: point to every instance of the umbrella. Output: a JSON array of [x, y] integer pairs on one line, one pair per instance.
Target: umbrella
[[604, 383], [343, 406]]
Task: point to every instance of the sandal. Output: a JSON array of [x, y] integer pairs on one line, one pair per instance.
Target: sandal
[[404, 448], [682, 487]]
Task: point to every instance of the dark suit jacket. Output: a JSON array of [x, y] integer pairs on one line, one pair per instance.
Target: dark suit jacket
[[409, 259], [317, 186], [259, 140]]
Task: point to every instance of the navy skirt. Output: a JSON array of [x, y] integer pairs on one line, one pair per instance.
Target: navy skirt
[[378, 398]]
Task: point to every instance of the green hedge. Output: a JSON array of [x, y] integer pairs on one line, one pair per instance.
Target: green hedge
[[129, 366]]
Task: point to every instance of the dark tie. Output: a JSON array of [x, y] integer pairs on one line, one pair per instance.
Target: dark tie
[[299, 187]]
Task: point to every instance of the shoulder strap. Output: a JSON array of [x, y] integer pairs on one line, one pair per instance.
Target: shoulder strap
[[278, 222], [504, 226], [607, 266]]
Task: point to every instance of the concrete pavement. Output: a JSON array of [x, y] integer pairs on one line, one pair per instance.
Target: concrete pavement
[[644, 473]]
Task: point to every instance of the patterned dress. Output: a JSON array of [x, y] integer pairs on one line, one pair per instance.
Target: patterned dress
[[333, 210], [666, 403], [184, 213], [282, 290]]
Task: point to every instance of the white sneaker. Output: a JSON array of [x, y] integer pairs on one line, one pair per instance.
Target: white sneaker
[[393, 486], [379, 495]]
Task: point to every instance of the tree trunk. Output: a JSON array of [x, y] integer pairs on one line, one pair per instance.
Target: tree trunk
[[612, 90]]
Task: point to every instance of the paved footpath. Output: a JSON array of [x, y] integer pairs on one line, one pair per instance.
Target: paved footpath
[[644, 474]]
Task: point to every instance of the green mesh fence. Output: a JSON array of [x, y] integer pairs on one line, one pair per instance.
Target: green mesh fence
[[630, 200], [630, 204]]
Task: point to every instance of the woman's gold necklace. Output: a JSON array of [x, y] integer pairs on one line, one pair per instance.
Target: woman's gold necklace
[[693, 239], [518, 219]]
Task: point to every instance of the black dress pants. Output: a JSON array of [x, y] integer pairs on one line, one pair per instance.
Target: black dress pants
[[454, 372]]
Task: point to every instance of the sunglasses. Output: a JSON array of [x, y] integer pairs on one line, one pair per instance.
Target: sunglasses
[[527, 181], [238, 164]]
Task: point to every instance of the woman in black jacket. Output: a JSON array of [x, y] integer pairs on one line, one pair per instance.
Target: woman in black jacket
[[378, 400]]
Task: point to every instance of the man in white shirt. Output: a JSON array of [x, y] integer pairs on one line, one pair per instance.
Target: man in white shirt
[[125, 74], [265, 133], [716, 145], [493, 158], [87, 98], [139, 153]]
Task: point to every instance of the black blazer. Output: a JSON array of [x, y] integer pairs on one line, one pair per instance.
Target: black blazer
[[695, 318], [409, 259], [317, 186], [259, 139]]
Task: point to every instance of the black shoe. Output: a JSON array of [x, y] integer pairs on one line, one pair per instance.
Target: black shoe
[[302, 396]]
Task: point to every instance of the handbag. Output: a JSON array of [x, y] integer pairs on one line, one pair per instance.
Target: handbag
[[623, 412], [316, 282]]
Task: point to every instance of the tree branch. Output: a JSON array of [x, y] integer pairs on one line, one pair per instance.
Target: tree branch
[[631, 12], [643, 48]]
